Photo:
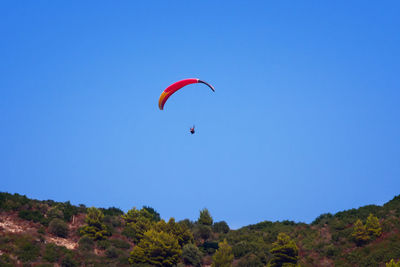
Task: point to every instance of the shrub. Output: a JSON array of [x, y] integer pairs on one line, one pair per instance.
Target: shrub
[[119, 243], [58, 227], [103, 244], [86, 243], [27, 250], [250, 260], [112, 253], [68, 261], [191, 255], [53, 253], [32, 215]]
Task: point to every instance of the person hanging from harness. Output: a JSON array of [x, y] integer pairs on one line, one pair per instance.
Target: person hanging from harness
[[192, 130]]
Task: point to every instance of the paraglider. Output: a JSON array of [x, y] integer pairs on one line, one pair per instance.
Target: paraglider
[[175, 87]]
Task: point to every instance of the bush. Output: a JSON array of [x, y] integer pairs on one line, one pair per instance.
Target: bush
[[68, 261], [86, 243], [103, 244], [52, 252], [32, 215], [27, 250], [58, 227], [112, 253], [191, 255], [119, 243], [250, 260]]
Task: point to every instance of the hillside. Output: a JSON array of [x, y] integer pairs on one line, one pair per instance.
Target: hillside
[[49, 233]]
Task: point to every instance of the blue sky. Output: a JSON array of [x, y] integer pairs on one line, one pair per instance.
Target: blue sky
[[304, 120]]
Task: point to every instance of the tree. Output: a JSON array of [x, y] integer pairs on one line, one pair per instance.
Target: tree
[[221, 227], [205, 217], [373, 226], [392, 263], [284, 252], [223, 257], [156, 248], [360, 234], [179, 231], [202, 232], [191, 255], [138, 222], [95, 227]]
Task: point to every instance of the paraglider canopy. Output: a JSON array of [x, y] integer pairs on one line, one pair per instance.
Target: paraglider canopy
[[175, 87]]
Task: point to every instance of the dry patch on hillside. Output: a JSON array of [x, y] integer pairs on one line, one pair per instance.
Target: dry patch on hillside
[[11, 223]]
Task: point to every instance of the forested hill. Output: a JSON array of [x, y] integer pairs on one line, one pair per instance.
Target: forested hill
[[49, 233]]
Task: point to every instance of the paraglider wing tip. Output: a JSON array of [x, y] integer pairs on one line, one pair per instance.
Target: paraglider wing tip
[[209, 85]]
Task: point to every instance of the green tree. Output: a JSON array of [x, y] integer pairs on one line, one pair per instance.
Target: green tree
[[360, 234], [137, 223], [373, 226], [220, 227], [179, 231], [95, 227], [191, 255], [205, 217], [392, 263], [156, 248], [202, 232], [223, 257], [284, 252]]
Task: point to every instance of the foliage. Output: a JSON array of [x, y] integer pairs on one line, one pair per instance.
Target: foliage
[[202, 232], [58, 227], [360, 234], [220, 227], [392, 263], [32, 215], [111, 252], [27, 249], [156, 248], [155, 216], [119, 243], [53, 253], [68, 261], [250, 260], [284, 251], [205, 218], [113, 211], [322, 219], [223, 257], [138, 222], [95, 227], [179, 231], [191, 255], [373, 226], [86, 243]]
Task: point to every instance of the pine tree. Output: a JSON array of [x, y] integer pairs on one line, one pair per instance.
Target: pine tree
[[360, 234], [223, 257], [205, 218], [392, 263], [156, 248], [95, 227], [373, 226], [284, 251]]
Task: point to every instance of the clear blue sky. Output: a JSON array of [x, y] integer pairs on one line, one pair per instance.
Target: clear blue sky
[[304, 120]]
